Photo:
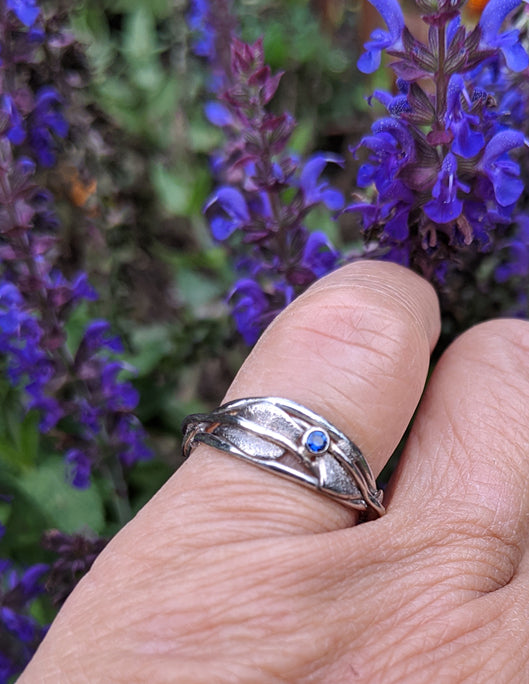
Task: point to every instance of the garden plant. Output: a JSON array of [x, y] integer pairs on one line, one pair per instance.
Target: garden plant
[[172, 176]]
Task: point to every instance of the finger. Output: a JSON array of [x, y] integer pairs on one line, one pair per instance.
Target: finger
[[355, 349], [472, 488]]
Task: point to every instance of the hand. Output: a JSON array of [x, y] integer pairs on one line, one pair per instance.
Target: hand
[[233, 574]]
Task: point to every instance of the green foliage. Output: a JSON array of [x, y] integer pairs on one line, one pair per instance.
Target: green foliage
[[60, 505]]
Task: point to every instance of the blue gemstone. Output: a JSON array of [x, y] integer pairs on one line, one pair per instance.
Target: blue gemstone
[[317, 441]]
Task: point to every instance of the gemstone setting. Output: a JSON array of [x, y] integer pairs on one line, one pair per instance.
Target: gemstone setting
[[316, 441]]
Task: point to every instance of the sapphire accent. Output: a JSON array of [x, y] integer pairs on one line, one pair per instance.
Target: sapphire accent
[[316, 441]]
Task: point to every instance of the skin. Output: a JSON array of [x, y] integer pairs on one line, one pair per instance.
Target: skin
[[232, 574]]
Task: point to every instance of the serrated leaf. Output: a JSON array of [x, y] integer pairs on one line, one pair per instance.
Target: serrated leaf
[[66, 508]]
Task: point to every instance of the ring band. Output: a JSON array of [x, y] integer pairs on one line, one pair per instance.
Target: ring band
[[286, 438]]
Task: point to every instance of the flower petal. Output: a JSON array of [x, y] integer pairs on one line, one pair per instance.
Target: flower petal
[[493, 17], [502, 142], [391, 12]]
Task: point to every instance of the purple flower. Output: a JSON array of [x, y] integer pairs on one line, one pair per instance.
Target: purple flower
[[395, 104], [119, 396], [467, 142], [501, 171], [319, 255], [516, 262], [63, 293], [45, 121], [274, 256], [218, 114], [90, 416], [20, 341], [199, 21], [27, 11], [50, 409], [234, 216], [131, 440], [16, 131], [96, 337], [79, 468], [382, 40], [77, 392], [249, 304], [491, 20], [314, 192], [75, 555], [446, 206], [397, 227], [370, 213], [444, 181], [20, 633], [391, 147]]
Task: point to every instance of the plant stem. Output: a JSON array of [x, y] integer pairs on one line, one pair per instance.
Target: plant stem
[[111, 469], [440, 80]]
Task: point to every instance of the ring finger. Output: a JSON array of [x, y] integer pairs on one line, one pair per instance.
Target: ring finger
[[354, 349]]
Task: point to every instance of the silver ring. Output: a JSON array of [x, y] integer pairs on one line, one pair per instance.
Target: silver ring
[[290, 440]]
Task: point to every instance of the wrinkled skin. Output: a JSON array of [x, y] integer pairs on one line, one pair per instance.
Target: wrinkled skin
[[232, 574]]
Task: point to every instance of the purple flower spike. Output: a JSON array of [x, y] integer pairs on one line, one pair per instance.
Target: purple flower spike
[[266, 192], [446, 207], [501, 171], [381, 40], [20, 633], [492, 18]]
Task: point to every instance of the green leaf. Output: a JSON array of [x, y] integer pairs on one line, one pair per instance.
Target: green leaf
[[196, 290], [9, 453], [203, 137], [139, 40], [152, 343], [29, 438], [302, 139], [69, 509], [172, 189], [20, 439]]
